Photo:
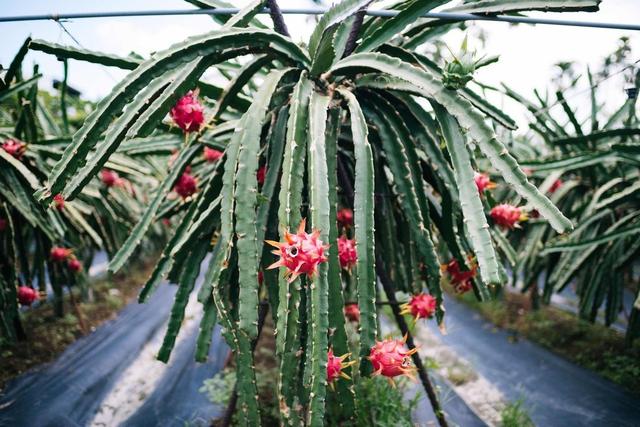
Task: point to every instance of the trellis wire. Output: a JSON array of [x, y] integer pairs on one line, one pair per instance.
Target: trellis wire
[[320, 11]]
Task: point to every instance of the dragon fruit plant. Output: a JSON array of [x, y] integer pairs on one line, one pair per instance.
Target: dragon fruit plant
[[589, 168], [35, 127], [356, 119]]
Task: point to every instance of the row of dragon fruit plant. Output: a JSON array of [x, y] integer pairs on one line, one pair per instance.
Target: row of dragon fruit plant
[[354, 156], [587, 160]]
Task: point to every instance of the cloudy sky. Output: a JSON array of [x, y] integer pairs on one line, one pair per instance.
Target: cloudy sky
[[527, 53]]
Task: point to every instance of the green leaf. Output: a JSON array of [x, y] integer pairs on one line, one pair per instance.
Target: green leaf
[[236, 85], [469, 119], [319, 286], [182, 80], [16, 63], [136, 235], [246, 203], [333, 16], [364, 228], [584, 244], [510, 6], [216, 46], [245, 15], [474, 218], [290, 201], [392, 26], [69, 52]]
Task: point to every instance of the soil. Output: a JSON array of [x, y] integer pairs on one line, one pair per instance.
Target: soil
[[592, 346], [48, 335]]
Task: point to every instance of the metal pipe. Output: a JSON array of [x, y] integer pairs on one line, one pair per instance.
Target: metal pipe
[[319, 11]]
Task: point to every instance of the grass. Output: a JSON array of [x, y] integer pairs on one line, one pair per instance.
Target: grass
[[49, 335], [592, 346], [515, 415]]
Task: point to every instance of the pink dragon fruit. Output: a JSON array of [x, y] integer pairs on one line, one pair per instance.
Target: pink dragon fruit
[[74, 265], [3, 224], [390, 358], [336, 366], [188, 113], [261, 174], [507, 216], [555, 186], [483, 182], [110, 178], [14, 147], [347, 252], [60, 254], [212, 155], [300, 253], [58, 202], [186, 185], [421, 306], [460, 280], [27, 295], [352, 312], [345, 217]]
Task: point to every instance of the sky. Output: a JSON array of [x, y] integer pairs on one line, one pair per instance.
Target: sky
[[527, 53]]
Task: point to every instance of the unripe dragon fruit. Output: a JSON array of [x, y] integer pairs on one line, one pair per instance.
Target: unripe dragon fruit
[[60, 254], [421, 306], [212, 155], [460, 280], [352, 312], [110, 178], [483, 182], [58, 202], [336, 365], [300, 253], [555, 186], [261, 174], [347, 252], [188, 113], [27, 295], [74, 265], [390, 358], [345, 217], [14, 147], [507, 216], [186, 185]]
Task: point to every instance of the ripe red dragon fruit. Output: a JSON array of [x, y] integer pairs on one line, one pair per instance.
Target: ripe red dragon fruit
[[58, 202], [555, 186], [352, 312], [110, 178], [14, 147], [336, 365], [483, 182], [507, 216], [60, 254], [74, 265], [212, 155], [3, 224], [27, 295], [421, 306], [347, 252], [460, 280], [260, 277], [390, 358], [188, 113], [300, 253], [186, 185], [345, 217], [261, 174]]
